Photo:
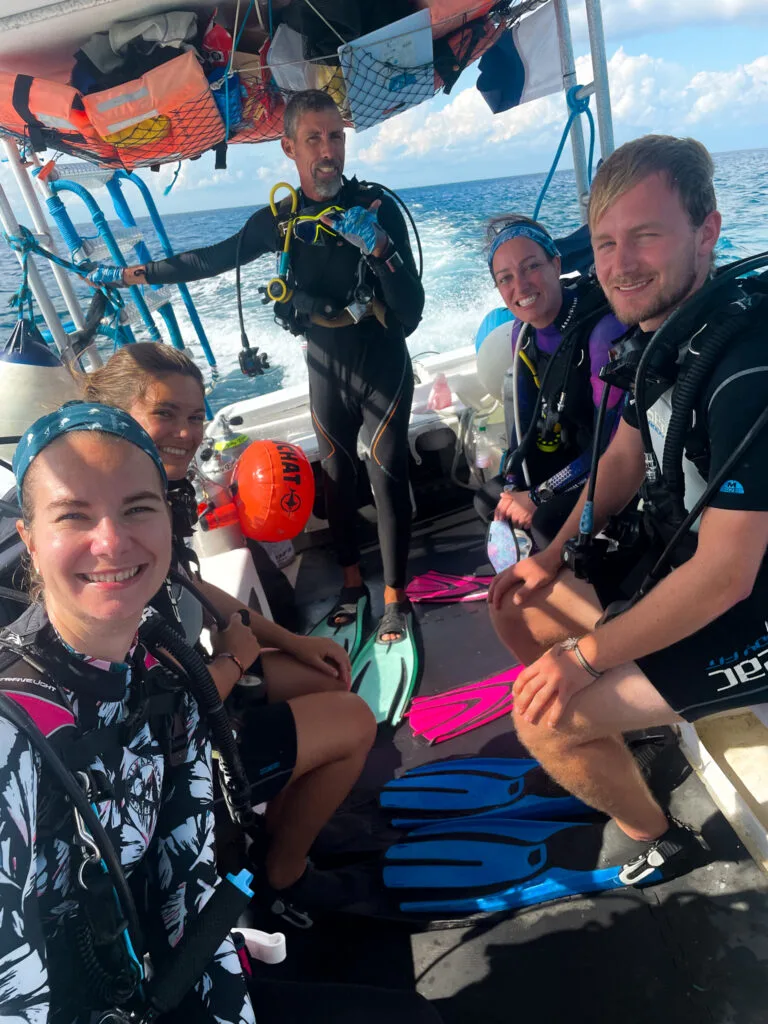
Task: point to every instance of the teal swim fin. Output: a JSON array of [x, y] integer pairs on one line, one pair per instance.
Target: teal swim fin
[[384, 673], [353, 604], [500, 787]]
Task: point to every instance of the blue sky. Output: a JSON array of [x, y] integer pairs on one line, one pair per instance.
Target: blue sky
[[688, 67]]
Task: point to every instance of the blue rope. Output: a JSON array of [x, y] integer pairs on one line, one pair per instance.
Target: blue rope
[[227, 75], [244, 22], [26, 243], [576, 106], [168, 188]]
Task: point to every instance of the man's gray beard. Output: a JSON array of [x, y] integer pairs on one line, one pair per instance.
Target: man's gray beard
[[327, 189], [665, 303]]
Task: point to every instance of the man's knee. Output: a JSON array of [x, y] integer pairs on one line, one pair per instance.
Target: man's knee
[[540, 741], [509, 621]]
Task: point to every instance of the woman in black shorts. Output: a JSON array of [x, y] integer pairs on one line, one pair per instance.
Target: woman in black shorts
[[308, 744]]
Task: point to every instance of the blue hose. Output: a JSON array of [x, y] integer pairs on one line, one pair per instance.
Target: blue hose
[[576, 106]]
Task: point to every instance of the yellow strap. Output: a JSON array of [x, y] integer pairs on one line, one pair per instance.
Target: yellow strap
[[294, 207], [531, 367]]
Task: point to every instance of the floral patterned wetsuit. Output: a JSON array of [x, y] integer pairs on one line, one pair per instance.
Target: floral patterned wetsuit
[[159, 817]]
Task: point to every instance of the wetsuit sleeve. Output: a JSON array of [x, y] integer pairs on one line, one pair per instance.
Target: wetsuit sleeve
[[734, 405], [258, 238], [24, 992], [402, 291], [186, 871]]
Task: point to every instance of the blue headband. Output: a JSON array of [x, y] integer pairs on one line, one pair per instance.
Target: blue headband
[[81, 416], [521, 229]]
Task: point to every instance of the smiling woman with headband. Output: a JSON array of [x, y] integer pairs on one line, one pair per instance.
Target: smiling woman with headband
[[540, 486], [97, 528], [73, 930]]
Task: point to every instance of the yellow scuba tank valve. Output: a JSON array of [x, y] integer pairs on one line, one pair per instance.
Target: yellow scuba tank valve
[[277, 289]]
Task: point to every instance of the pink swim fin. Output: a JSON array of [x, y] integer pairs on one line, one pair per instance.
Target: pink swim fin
[[450, 714], [446, 588]]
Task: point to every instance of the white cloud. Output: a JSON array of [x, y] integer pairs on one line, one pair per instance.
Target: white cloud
[[465, 120], [734, 91], [647, 94], [630, 17]]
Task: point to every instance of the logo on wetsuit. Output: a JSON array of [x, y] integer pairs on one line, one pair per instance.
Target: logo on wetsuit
[[747, 670]]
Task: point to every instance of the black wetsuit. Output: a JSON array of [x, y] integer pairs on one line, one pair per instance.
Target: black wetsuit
[[359, 376], [725, 664]]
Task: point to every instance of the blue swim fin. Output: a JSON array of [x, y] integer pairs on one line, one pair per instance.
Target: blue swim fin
[[492, 786], [491, 864]]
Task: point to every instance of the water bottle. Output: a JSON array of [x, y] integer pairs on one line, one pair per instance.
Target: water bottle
[[483, 451], [440, 396]]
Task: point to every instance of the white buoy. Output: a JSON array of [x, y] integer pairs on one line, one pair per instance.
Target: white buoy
[[33, 382], [494, 358]]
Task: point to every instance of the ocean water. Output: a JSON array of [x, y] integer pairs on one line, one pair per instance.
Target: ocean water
[[459, 292]]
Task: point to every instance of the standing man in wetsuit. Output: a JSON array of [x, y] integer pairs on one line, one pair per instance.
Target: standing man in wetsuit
[[695, 643], [360, 376]]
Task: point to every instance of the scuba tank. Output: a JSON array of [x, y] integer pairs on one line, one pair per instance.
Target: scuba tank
[[218, 458], [218, 525], [33, 381]]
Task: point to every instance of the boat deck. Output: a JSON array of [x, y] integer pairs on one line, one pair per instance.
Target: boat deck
[[694, 950]]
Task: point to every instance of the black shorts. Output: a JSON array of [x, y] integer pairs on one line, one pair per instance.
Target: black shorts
[[722, 667], [267, 741]]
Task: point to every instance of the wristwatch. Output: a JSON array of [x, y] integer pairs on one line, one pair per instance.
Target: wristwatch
[[543, 493], [390, 258]]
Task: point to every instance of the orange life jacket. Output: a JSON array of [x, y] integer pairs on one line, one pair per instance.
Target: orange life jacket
[[50, 114], [167, 114], [449, 15]]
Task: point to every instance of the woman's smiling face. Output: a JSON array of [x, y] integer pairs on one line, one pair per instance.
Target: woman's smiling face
[[100, 531], [528, 281], [172, 411]]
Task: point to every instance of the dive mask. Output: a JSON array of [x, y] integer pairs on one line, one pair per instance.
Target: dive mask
[[308, 228]]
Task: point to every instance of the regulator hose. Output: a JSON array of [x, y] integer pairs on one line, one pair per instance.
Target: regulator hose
[[565, 348], [686, 393], [18, 717], [401, 202], [714, 485], [156, 632], [183, 581], [679, 324]]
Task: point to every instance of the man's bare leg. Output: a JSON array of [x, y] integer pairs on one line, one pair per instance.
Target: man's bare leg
[[567, 607], [587, 755]]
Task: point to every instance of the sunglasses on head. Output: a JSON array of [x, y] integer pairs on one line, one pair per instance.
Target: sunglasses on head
[[498, 224]]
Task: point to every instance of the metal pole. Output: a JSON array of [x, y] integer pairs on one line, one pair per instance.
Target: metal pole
[[568, 66], [600, 73], [42, 228], [11, 227]]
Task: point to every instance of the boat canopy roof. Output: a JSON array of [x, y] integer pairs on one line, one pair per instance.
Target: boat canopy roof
[[177, 110]]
